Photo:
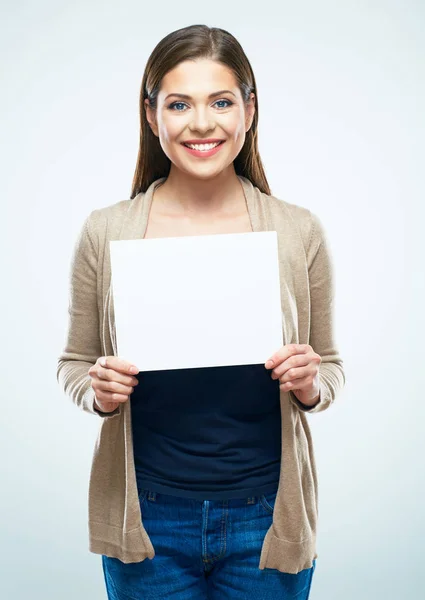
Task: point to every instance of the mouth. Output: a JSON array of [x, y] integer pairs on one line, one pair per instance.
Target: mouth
[[203, 150], [204, 146]]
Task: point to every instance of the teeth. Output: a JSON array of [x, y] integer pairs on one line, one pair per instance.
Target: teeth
[[202, 147]]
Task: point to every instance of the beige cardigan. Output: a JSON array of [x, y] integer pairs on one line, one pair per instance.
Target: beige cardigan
[[115, 520]]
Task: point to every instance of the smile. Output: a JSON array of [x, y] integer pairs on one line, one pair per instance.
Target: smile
[[203, 150], [203, 147]]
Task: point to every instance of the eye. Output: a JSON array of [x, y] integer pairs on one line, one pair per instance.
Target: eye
[[229, 103], [173, 106], [181, 106]]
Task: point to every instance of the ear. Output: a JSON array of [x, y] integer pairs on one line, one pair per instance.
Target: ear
[[249, 112], [151, 117]]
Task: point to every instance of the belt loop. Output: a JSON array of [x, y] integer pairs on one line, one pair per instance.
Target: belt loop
[[152, 496], [251, 500]]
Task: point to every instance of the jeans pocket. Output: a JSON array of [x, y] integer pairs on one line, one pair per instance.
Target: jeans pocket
[[267, 501]]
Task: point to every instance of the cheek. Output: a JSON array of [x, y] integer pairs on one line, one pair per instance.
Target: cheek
[[169, 128], [240, 134], [164, 132], [236, 128]]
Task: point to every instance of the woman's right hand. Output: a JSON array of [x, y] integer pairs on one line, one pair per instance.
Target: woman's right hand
[[112, 381]]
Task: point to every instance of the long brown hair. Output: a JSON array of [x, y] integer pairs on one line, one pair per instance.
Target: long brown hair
[[189, 43]]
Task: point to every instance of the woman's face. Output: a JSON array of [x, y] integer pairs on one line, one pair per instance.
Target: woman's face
[[200, 102]]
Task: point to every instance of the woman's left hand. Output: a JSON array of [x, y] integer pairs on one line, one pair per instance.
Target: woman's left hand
[[297, 368]]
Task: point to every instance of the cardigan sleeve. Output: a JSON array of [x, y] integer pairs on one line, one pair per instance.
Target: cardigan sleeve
[[322, 339], [82, 345]]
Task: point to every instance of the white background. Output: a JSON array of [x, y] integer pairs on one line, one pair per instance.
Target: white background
[[341, 129]]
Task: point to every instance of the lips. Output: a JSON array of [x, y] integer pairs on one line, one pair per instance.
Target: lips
[[199, 142], [203, 146], [201, 151], [198, 146]]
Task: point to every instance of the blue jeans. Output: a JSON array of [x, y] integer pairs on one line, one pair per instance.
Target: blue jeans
[[204, 550]]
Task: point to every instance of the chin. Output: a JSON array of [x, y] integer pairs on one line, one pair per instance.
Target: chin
[[211, 175], [205, 171]]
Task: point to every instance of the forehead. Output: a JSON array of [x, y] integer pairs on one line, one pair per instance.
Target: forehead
[[198, 77]]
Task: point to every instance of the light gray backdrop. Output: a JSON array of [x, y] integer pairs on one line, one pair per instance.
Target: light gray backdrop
[[341, 98]]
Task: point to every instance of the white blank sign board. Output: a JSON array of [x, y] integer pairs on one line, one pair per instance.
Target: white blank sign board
[[197, 301]]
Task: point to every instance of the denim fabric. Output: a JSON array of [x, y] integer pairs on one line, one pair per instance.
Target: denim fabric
[[204, 550]]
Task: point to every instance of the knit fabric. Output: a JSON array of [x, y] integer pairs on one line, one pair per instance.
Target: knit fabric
[[307, 293]]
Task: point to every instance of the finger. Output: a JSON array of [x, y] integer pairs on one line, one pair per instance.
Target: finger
[[112, 375], [293, 362], [295, 373], [99, 374], [115, 387], [285, 352], [118, 364], [111, 397], [297, 384]]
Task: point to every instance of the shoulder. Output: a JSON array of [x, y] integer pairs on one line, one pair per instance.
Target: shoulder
[[306, 222], [299, 214], [103, 221]]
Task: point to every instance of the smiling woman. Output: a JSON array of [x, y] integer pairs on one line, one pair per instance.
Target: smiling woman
[[214, 110], [198, 88], [221, 455]]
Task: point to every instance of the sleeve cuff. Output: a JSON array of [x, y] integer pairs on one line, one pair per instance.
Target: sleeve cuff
[[305, 407], [105, 414]]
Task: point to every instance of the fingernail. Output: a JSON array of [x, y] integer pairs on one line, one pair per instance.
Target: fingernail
[[269, 364], [103, 361], [134, 370]]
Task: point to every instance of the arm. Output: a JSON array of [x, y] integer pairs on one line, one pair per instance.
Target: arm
[[82, 346], [321, 280]]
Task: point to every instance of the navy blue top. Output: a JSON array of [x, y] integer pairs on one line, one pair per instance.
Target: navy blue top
[[207, 433]]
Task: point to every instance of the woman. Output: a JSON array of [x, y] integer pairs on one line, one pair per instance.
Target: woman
[[207, 473]]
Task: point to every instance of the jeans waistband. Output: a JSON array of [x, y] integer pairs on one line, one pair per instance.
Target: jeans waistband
[[152, 496]]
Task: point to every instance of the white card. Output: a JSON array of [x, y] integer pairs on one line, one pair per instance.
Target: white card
[[197, 301]]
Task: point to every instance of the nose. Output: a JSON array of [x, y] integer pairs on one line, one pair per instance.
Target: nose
[[202, 120]]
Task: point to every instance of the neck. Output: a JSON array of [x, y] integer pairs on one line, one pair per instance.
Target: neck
[[191, 196]]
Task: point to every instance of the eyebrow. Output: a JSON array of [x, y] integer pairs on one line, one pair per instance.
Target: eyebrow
[[186, 97]]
